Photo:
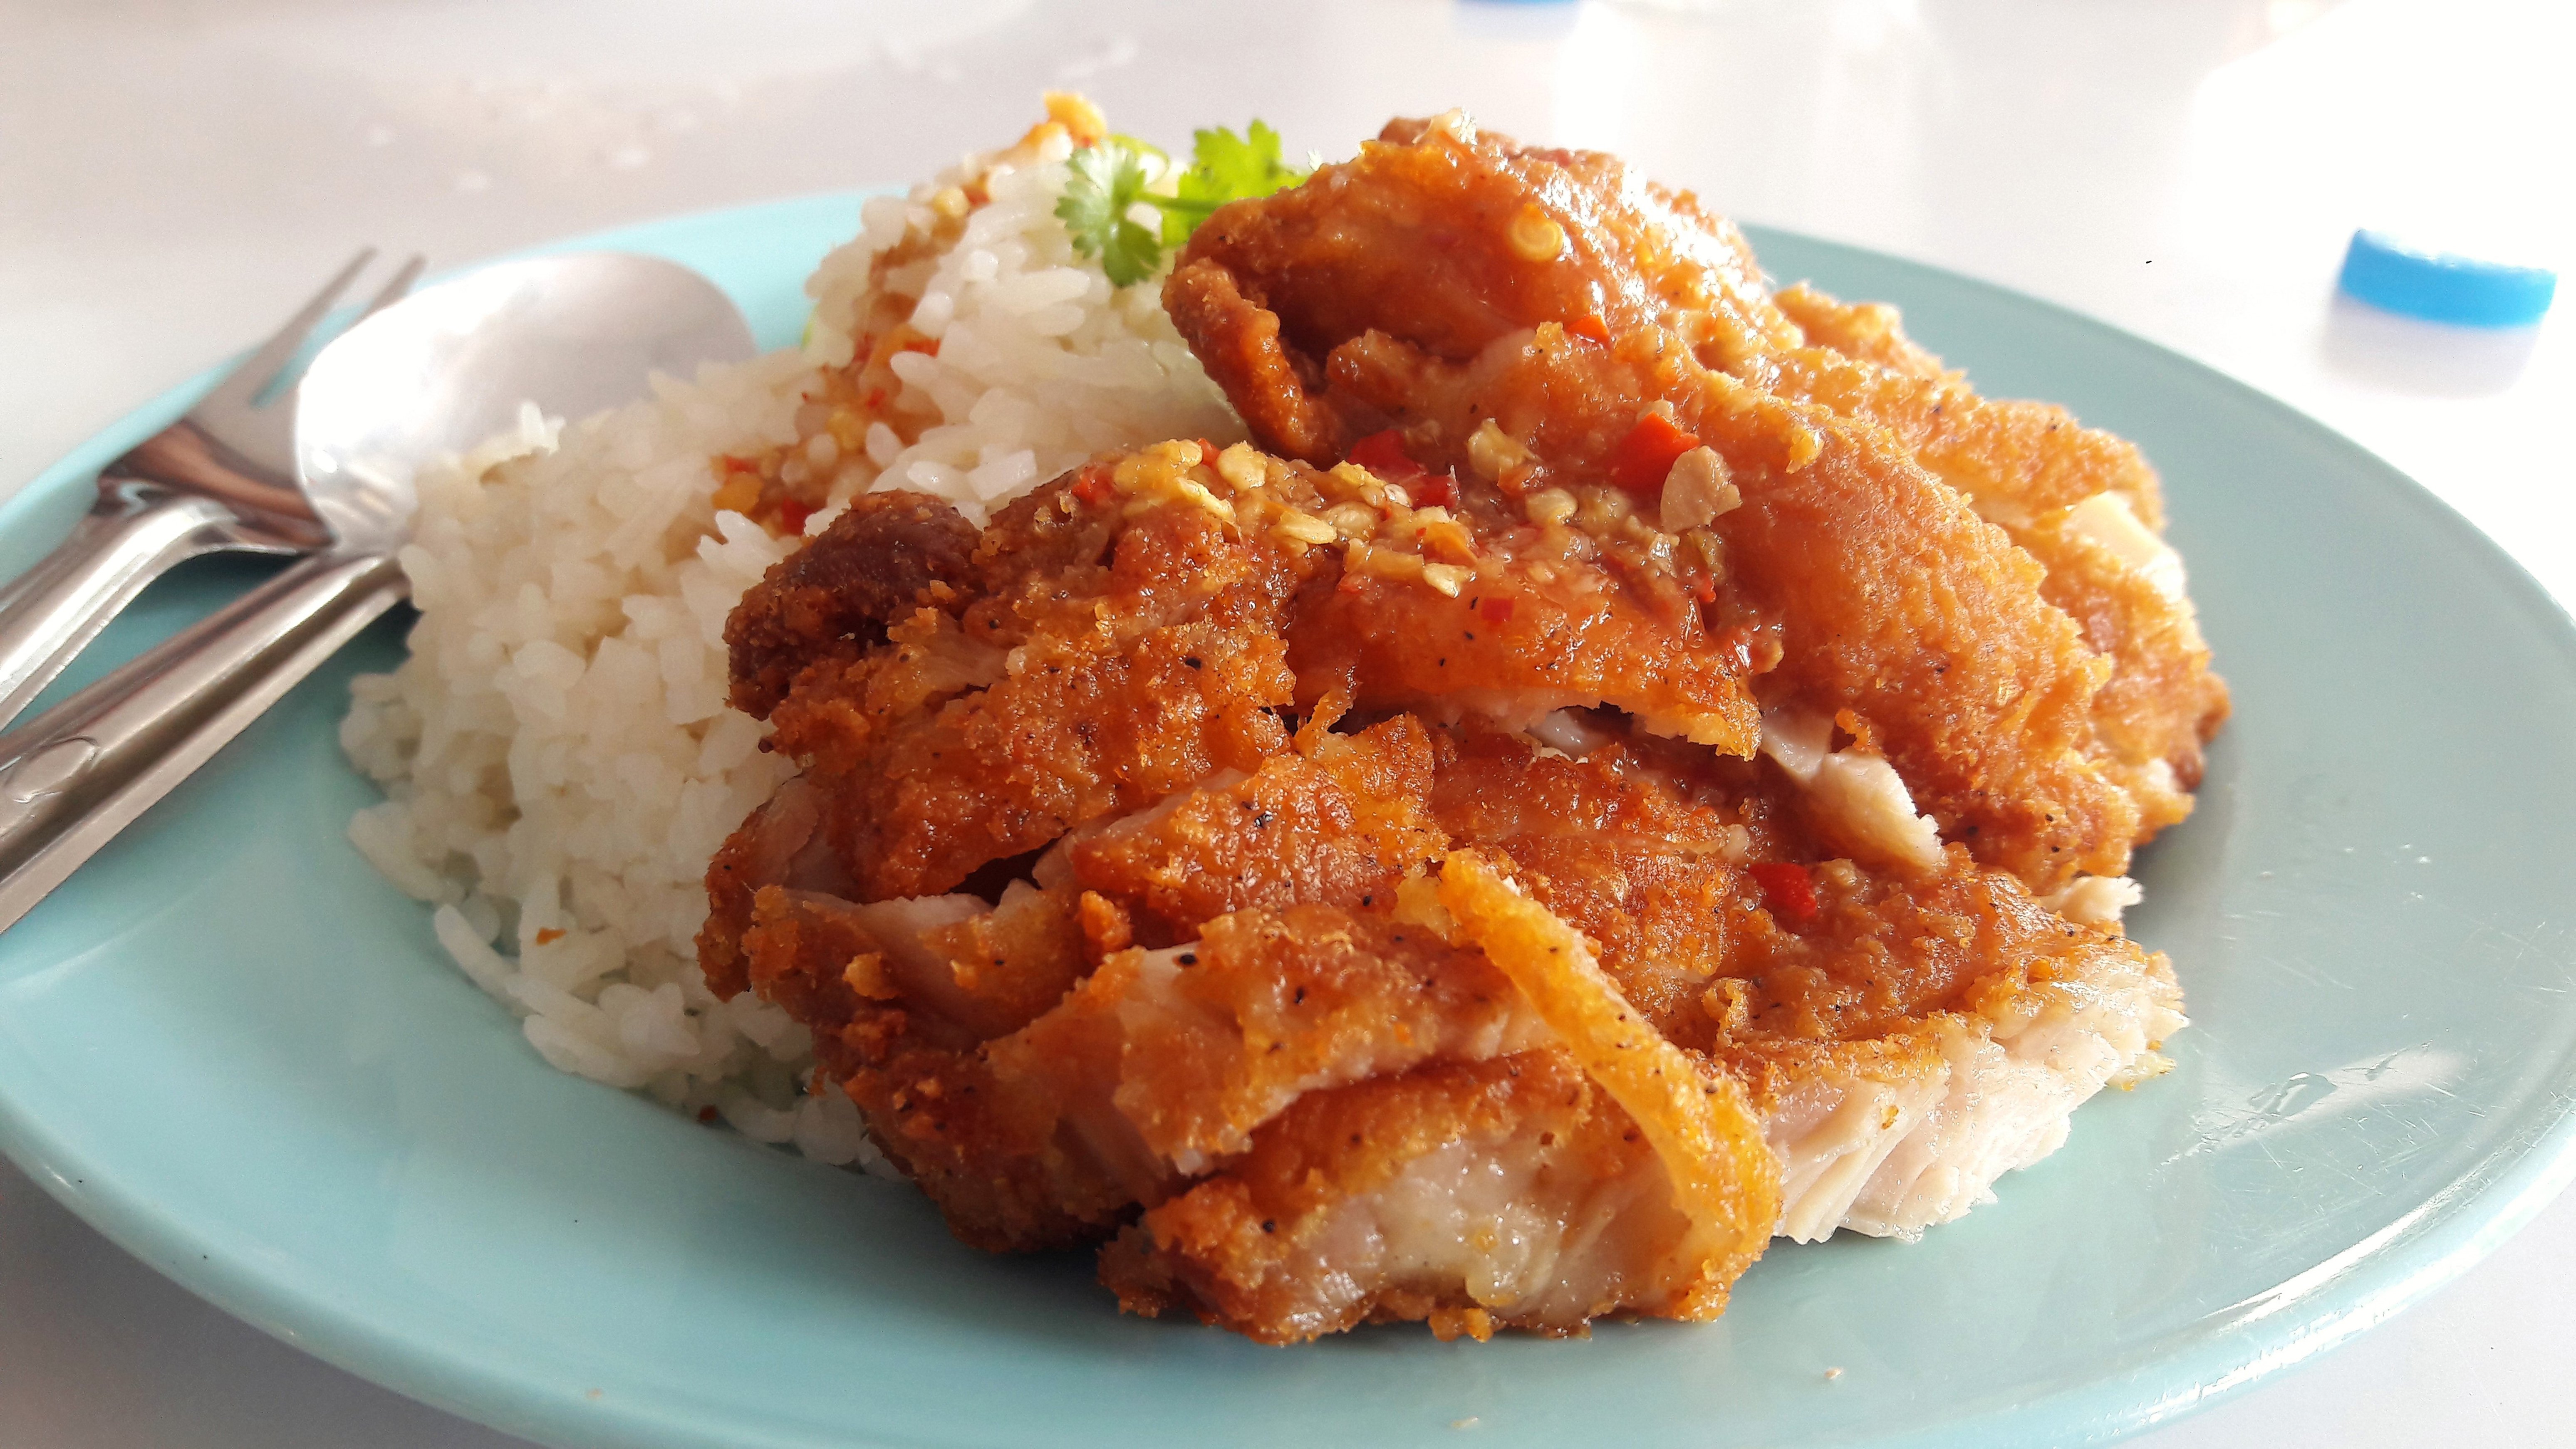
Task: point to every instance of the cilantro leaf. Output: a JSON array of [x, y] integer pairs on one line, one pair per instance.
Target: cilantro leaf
[[1108, 179], [1111, 176], [1225, 167]]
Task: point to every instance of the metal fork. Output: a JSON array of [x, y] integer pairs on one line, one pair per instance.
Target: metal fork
[[221, 477]]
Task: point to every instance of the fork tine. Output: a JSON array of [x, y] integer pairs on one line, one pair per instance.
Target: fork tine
[[260, 369], [395, 290]]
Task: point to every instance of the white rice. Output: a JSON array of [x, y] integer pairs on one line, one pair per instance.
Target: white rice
[[557, 757]]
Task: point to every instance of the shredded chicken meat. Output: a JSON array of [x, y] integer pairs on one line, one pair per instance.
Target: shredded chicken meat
[[1631, 765]]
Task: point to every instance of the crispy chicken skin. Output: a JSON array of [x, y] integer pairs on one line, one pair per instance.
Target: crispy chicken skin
[[1628, 773], [1091, 675], [1569, 254], [887, 555], [1883, 591], [2026, 466], [1506, 1193], [1554, 980]]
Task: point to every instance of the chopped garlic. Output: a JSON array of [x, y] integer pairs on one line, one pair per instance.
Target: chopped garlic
[[1355, 478], [1550, 505], [1493, 452], [1352, 520], [1303, 527], [1241, 467], [1697, 490]]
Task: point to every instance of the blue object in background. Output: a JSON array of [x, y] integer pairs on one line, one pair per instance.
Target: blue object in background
[[2441, 287]]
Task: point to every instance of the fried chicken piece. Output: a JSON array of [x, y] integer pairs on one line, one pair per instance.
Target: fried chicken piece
[[781, 844], [1532, 1191], [1124, 635], [1871, 332], [830, 601], [1043, 1129], [2084, 503], [1915, 1041], [1090, 680], [2012, 458], [1288, 301], [1225, 1032], [1885, 595], [1553, 979], [1338, 823], [1699, 1123], [1517, 650], [1906, 1040], [1623, 852], [1474, 1195], [1017, 1138], [1521, 237]]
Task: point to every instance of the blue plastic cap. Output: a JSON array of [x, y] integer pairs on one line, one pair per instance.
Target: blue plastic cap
[[2441, 287]]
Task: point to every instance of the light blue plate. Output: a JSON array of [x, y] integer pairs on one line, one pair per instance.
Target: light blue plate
[[238, 1052]]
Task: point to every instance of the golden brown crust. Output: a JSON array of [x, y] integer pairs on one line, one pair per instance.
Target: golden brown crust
[[2024, 464], [1526, 647], [1902, 606], [1266, 1006], [1338, 823], [1248, 1247], [1327, 993], [2111, 751], [1124, 680], [831, 600], [1868, 332], [1700, 1124]]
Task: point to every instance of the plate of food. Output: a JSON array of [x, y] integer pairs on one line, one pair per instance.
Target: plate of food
[[1435, 797]]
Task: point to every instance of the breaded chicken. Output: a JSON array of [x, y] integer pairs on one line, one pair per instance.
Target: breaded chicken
[[2080, 501], [1556, 971], [1635, 769], [1551, 252]]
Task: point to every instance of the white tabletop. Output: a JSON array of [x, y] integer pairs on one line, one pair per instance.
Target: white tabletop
[[175, 173]]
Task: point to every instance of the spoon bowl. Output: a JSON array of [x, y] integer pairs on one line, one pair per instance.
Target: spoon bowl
[[452, 365]]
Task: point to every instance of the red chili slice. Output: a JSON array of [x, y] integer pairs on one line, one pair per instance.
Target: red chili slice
[[1383, 454], [792, 515], [1095, 486], [1786, 888], [1643, 458]]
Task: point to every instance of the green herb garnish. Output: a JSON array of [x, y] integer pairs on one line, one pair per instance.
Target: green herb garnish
[[1111, 176]]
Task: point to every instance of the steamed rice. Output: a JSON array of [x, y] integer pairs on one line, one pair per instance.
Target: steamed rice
[[558, 760]]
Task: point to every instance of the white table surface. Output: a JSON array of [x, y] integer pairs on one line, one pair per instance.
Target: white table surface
[[174, 174]]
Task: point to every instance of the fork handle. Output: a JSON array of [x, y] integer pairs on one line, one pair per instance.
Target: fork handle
[[83, 770], [55, 609]]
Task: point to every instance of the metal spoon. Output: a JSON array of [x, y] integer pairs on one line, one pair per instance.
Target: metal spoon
[[435, 373], [221, 477]]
